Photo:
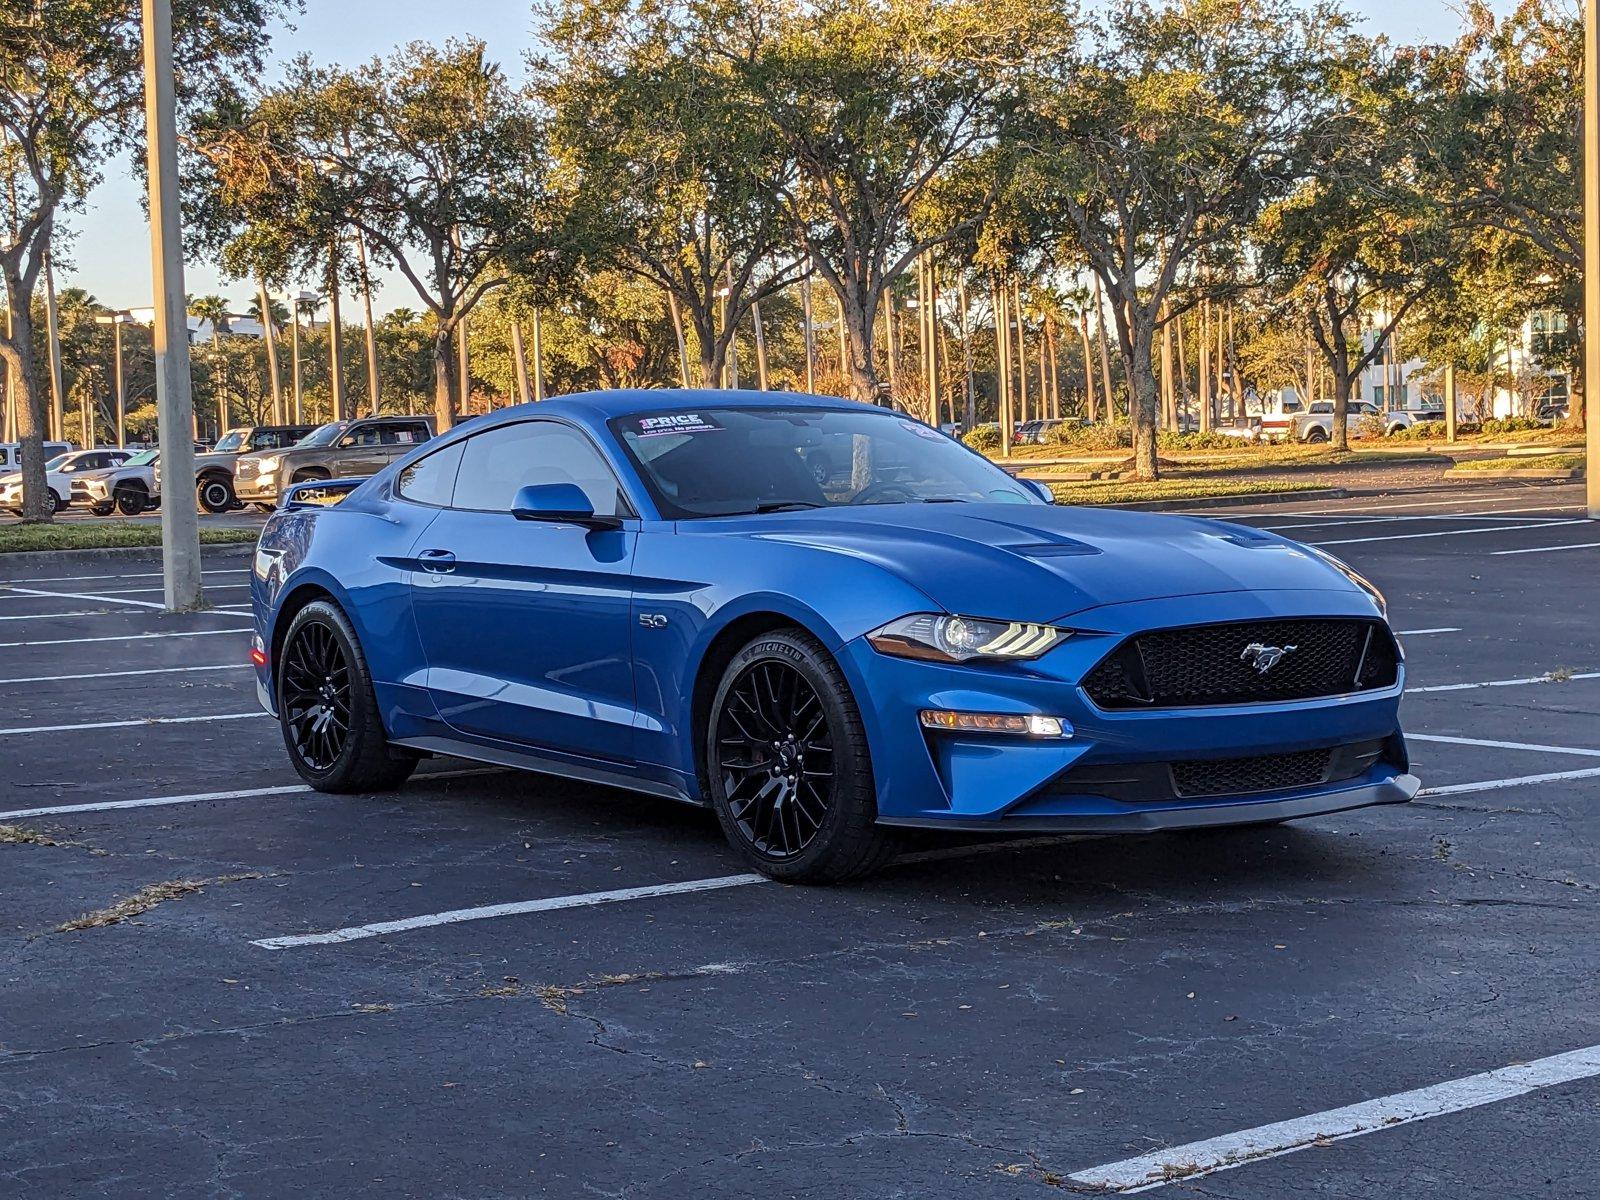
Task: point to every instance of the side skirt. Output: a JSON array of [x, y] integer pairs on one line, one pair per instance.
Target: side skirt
[[526, 760]]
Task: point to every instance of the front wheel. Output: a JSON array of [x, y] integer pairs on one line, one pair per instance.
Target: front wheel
[[327, 710], [214, 494], [788, 765], [132, 501], [1316, 434]]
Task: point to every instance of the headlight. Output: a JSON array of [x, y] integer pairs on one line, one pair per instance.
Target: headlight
[[269, 464], [1355, 577], [941, 638]]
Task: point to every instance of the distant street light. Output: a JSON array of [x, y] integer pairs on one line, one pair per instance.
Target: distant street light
[[117, 321]]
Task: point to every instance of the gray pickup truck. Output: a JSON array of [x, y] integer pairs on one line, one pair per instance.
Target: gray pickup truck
[[213, 471], [337, 450]]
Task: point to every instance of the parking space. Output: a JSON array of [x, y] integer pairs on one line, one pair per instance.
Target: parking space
[[486, 983]]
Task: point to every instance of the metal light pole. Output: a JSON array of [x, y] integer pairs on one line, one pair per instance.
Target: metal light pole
[[52, 333], [1591, 250], [117, 321], [180, 524]]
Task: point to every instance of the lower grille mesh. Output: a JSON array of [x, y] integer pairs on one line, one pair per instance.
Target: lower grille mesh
[[1239, 776]]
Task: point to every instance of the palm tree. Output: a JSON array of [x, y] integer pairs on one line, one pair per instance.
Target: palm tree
[[214, 311]]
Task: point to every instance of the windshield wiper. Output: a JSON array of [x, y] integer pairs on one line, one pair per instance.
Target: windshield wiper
[[785, 506], [944, 500]]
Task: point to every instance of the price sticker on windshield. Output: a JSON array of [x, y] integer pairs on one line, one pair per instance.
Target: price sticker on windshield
[[921, 430], [676, 423]]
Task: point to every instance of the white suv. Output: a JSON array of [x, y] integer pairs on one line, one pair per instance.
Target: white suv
[[59, 474]]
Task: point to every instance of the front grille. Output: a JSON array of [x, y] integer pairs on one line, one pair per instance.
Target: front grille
[[246, 468], [1238, 776], [1197, 778], [1221, 664]]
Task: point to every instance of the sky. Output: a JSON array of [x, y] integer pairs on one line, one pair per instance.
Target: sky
[[109, 255]]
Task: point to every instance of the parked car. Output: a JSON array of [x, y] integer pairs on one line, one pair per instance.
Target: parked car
[[1552, 412], [213, 471], [1396, 419], [337, 450], [130, 487], [1246, 429], [1316, 423], [60, 473], [11, 454], [650, 589]]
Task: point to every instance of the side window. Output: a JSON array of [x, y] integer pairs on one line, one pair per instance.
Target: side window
[[500, 461], [404, 435], [432, 478], [364, 435]]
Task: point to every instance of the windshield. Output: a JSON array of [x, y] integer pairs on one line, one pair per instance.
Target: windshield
[[714, 462], [143, 459], [232, 440], [323, 435]]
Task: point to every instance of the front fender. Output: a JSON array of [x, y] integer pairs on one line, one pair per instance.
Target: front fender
[[691, 591]]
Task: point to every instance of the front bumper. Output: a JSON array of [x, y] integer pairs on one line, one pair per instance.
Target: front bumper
[[999, 783], [257, 489]]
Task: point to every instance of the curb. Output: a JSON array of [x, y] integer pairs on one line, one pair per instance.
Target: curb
[[1235, 501], [112, 554], [1519, 473]]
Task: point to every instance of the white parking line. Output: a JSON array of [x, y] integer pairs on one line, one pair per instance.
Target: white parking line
[[287, 789], [138, 591], [86, 612], [242, 570], [356, 933], [1420, 632], [1231, 1150], [1492, 785], [22, 729], [22, 591], [1494, 745], [1439, 533], [1499, 514], [1492, 683], [121, 674], [1549, 549], [124, 637]]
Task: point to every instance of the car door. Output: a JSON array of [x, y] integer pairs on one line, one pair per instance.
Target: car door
[[525, 624], [359, 451]]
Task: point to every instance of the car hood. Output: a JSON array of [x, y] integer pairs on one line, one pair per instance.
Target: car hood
[[220, 458], [1037, 562]]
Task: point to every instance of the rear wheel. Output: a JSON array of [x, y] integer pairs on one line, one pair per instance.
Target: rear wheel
[[214, 494], [327, 710], [57, 504], [789, 769]]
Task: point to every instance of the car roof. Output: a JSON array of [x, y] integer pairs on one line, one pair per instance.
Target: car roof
[[625, 402]]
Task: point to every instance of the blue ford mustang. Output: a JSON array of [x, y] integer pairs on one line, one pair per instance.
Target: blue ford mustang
[[821, 619]]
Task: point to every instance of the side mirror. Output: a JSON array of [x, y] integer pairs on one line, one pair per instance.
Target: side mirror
[[564, 503], [1039, 489]]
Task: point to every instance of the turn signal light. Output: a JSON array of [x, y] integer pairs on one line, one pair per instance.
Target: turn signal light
[[1016, 724]]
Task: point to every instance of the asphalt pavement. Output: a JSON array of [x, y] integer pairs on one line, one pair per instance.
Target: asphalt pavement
[[214, 982]]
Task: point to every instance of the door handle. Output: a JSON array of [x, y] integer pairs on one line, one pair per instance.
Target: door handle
[[437, 562]]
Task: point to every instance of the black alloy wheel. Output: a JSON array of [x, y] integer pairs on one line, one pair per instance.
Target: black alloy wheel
[[788, 768], [214, 494], [775, 752], [316, 695], [329, 715]]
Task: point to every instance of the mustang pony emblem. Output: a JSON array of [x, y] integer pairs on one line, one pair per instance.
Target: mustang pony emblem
[[1263, 657]]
